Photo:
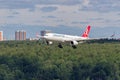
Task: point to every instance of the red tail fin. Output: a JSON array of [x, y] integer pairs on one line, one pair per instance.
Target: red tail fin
[[86, 33]]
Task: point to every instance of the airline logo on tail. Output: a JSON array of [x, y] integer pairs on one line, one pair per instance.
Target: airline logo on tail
[[86, 33]]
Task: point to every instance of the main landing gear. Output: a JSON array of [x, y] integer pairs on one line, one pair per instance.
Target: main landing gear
[[74, 46], [60, 45]]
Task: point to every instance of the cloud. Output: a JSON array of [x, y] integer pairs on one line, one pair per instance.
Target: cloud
[[48, 9], [101, 5], [10, 16], [58, 2], [97, 19], [86, 2], [49, 17], [15, 13], [118, 13], [117, 21], [80, 22], [21, 4], [88, 5], [15, 4], [60, 12]]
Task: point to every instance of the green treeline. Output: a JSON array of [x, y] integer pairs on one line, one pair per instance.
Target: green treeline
[[32, 60]]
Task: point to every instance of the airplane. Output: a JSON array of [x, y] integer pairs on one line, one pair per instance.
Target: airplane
[[73, 40]]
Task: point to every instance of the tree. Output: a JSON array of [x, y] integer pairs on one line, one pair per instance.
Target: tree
[[104, 71]]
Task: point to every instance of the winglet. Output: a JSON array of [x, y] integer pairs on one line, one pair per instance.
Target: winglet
[[86, 33]]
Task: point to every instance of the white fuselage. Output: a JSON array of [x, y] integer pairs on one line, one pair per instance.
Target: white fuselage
[[62, 37]]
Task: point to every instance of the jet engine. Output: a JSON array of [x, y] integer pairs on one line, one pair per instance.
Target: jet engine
[[49, 42], [74, 42]]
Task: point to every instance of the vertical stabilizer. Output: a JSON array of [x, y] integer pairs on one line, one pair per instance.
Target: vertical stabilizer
[[86, 33]]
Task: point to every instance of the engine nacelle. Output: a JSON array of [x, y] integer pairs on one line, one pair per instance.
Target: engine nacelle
[[49, 42], [74, 42]]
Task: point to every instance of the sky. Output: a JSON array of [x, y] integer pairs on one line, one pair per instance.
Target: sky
[[59, 14]]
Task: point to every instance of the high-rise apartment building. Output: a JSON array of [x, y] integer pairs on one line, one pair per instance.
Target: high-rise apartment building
[[20, 35], [1, 35]]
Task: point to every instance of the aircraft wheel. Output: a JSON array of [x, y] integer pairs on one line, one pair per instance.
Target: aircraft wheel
[[60, 45], [74, 46]]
